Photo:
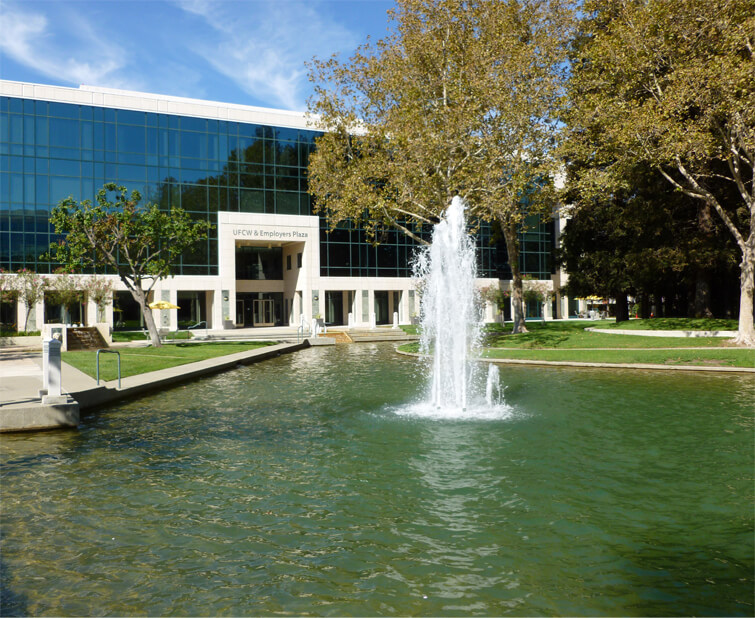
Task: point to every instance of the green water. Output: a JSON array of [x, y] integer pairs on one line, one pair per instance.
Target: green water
[[294, 487]]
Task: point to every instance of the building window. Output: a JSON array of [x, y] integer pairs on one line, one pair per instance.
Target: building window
[[298, 260], [259, 263], [288, 262]]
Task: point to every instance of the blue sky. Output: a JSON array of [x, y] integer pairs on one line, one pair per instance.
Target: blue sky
[[251, 52]]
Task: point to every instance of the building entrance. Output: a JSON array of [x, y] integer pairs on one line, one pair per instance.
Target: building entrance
[[382, 315], [259, 309], [334, 308], [264, 313]]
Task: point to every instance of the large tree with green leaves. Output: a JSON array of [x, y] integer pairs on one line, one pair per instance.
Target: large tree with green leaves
[[461, 99], [645, 240], [672, 84], [139, 243]]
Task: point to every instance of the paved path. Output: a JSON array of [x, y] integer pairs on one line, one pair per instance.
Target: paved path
[[21, 377], [21, 380]]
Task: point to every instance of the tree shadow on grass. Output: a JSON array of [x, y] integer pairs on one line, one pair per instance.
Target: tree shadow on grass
[[539, 335]]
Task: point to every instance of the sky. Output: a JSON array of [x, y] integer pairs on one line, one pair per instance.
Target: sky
[[251, 52]]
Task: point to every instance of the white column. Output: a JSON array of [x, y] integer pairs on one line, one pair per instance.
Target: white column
[[53, 382], [173, 313], [547, 309]]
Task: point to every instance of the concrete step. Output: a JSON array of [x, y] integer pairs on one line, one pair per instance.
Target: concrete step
[[379, 334]]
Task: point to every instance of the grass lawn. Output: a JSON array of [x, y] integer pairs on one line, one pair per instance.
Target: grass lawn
[[572, 334], [711, 357], [670, 324], [122, 336], [143, 360], [568, 341]]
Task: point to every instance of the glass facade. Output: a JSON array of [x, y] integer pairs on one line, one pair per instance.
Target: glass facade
[[49, 151], [345, 252]]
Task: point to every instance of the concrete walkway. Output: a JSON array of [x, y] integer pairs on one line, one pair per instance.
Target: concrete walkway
[[21, 407]]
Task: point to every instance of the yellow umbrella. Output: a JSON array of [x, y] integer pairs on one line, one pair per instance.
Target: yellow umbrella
[[163, 304]]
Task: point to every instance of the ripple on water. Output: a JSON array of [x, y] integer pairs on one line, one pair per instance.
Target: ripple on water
[[325, 492], [428, 411]]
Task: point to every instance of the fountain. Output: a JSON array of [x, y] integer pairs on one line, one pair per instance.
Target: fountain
[[451, 322]]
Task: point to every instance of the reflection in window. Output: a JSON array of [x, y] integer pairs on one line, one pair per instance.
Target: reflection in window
[[259, 263]]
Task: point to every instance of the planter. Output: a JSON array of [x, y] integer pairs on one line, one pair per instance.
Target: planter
[[25, 342]]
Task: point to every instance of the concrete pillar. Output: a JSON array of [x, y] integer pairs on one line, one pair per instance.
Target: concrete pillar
[[45, 371], [547, 309], [365, 307], [51, 362]]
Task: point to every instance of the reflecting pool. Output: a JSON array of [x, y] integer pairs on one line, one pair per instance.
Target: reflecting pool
[[302, 486]]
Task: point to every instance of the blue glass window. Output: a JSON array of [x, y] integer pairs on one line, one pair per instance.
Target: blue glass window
[[63, 167], [194, 145], [61, 188], [130, 117], [16, 132], [194, 124], [63, 110], [87, 135], [131, 138]]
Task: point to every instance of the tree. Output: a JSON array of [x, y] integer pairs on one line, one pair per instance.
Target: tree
[[640, 240], [100, 292], [140, 243], [460, 100], [65, 289], [8, 291], [671, 83], [31, 288], [536, 291], [8, 294]]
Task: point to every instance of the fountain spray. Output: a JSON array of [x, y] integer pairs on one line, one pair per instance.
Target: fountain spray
[[450, 316]]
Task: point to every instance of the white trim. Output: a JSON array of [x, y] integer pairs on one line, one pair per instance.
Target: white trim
[[159, 104]]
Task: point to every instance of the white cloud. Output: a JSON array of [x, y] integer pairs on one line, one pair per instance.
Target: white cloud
[[83, 58], [193, 48], [262, 46]]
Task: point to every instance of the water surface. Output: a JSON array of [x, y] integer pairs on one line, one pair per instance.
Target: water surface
[[300, 486]]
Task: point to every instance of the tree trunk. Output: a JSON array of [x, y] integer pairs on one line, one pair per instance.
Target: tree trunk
[[26, 320], [746, 333], [141, 298], [702, 276], [702, 295], [622, 307], [644, 306], [517, 297]]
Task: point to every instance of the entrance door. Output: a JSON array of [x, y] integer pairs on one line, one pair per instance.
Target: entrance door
[[334, 308], [381, 307], [264, 312], [239, 313]]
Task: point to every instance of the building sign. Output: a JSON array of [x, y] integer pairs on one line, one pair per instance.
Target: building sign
[[260, 234]]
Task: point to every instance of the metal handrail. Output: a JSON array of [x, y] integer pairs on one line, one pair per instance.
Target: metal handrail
[[119, 364], [197, 325]]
